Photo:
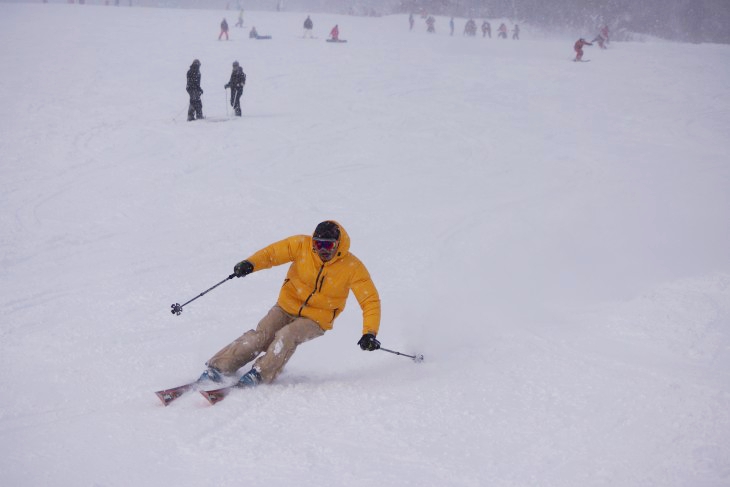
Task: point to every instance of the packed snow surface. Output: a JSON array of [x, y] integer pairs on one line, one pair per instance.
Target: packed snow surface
[[553, 236]]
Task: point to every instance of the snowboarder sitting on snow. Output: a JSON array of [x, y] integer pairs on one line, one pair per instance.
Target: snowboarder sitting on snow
[[195, 108], [253, 34], [224, 29], [308, 26], [321, 275], [579, 48], [238, 79], [335, 33]]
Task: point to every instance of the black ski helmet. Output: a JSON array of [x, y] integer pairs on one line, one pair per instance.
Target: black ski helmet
[[196, 63], [327, 229], [235, 64]]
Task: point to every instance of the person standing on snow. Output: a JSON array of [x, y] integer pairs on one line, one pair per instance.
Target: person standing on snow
[[604, 33], [195, 108], [308, 26], [486, 29], [335, 33], [236, 83], [430, 25], [578, 47], [321, 275], [502, 31], [516, 33], [600, 40], [410, 21], [224, 29]]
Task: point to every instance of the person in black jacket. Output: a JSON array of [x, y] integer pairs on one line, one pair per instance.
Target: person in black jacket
[[224, 29], [308, 25], [195, 109], [238, 79]]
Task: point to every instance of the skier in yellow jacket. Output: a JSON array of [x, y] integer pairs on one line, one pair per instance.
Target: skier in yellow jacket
[[314, 293]]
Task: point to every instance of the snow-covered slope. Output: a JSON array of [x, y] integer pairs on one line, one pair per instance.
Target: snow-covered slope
[[552, 236]]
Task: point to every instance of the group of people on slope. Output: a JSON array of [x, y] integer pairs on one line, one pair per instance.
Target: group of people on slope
[[601, 39], [309, 26], [236, 84], [470, 27]]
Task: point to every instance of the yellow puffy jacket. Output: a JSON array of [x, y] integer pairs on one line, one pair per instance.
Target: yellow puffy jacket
[[318, 290]]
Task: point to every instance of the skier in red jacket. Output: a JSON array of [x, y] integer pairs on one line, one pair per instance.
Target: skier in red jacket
[[579, 48]]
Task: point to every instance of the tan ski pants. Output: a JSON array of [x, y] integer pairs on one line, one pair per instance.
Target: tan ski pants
[[278, 334]]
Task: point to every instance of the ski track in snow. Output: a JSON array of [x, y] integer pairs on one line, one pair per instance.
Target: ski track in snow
[[552, 236]]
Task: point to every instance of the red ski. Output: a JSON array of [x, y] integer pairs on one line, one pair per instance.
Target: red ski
[[217, 395], [169, 395]]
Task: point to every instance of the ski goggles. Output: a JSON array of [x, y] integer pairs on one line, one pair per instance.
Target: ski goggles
[[326, 244]]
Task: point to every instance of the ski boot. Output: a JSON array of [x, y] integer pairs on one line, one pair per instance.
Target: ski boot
[[252, 378], [211, 374]]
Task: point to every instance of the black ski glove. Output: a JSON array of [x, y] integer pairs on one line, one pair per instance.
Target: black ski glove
[[369, 342], [243, 268], [227, 85]]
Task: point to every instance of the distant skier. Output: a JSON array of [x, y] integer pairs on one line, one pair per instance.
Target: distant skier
[[411, 21], [600, 40], [308, 26], [604, 33], [195, 108], [431, 25], [579, 48], [486, 29], [238, 80], [516, 33], [253, 34], [451, 26], [470, 28], [224, 29], [335, 33], [240, 19], [502, 31]]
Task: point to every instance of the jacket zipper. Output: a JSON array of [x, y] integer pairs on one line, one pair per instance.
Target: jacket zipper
[[313, 290]]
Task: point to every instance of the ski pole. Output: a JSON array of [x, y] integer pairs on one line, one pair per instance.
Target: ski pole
[[226, 101], [178, 115], [243, 89], [416, 358], [178, 308]]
